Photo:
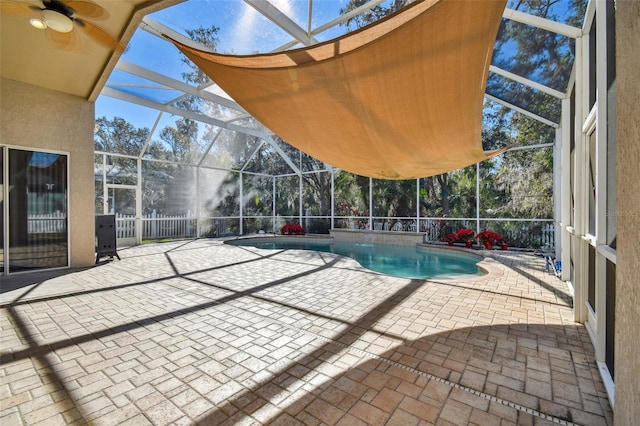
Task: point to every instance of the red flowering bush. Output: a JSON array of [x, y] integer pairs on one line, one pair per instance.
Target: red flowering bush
[[489, 238], [292, 229], [449, 238], [465, 234]]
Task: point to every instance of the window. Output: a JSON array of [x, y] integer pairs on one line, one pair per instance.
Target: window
[[611, 316], [592, 64], [591, 288], [592, 183]]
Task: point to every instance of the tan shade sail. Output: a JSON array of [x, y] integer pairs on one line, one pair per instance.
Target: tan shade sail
[[398, 99]]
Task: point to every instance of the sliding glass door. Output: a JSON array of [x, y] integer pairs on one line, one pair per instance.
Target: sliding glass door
[[2, 204], [35, 229]]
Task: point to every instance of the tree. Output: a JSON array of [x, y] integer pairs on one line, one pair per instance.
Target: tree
[[527, 175], [181, 140], [119, 136], [371, 15]]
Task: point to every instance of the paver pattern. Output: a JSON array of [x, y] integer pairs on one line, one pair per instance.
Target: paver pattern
[[201, 332]]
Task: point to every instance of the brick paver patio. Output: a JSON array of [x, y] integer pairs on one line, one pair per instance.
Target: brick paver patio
[[202, 332]]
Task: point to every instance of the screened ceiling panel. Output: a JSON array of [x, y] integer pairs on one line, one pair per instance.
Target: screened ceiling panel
[[111, 108], [296, 11], [550, 66], [177, 139], [192, 103], [217, 90], [267, 158], [251, 123], [524, 97], [141, 87], [221, 112], [154, 53], [570, 12], [231, 150], [242, 29]]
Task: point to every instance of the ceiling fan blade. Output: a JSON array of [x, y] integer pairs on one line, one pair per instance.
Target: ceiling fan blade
[[62, 41], [17, 7], [100, 36], [87, 9]]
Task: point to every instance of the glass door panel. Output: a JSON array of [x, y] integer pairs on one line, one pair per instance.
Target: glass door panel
[[2, 260], [37, 219]]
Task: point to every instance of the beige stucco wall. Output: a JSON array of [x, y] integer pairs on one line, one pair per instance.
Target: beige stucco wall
[[627, 347], [34, 117]]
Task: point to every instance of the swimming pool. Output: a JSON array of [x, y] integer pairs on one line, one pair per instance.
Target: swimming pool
[[398, 261]]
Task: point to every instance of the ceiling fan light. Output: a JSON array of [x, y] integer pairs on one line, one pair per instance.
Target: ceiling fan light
[[57, 21], [38, 23]]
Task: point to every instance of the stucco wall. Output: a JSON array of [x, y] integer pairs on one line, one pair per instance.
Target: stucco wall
[[34, 117], [627, 347]]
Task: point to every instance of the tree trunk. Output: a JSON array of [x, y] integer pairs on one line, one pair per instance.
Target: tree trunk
[[443, 180]]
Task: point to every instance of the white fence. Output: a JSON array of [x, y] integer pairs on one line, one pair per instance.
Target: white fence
[[156, 225], [50, 223]]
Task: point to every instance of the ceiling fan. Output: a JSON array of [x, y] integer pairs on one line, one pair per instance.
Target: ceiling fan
[[62, 17]]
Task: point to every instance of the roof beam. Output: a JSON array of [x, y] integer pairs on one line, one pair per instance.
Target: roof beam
[[283, 154], [522, 111], [337, 21], [274, 14], [156, 28], [206, 151], [117, 94], [542, 23], [147, 74], [533, 146], [527, 82], [276, 147], [253, 154], [589, 16], [151, 133]]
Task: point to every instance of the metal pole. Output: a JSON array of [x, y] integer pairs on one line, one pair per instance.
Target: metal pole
[[370, 226], [197, 202], [418, 205], [105, 191], [333, 198], [300, 198], [240, 202], [477, 198], [138, 220]]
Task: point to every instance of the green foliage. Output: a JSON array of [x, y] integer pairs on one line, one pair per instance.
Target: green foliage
[[371, 15], [119, 136]]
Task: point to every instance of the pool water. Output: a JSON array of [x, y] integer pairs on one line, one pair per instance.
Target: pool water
[[398, 261]]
